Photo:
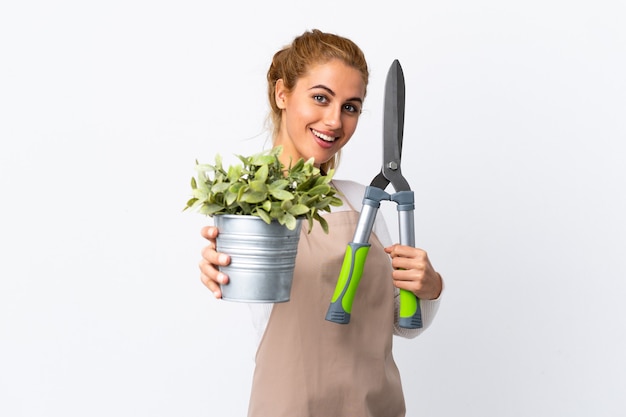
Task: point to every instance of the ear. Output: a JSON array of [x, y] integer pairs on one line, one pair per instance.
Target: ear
[[280, 94]]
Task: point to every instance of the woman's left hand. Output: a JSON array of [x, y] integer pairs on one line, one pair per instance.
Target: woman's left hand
[[414, 272]]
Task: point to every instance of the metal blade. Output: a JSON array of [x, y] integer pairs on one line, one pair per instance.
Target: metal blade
[[393, 127]]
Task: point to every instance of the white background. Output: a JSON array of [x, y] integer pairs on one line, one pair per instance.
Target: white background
[[514, 142]]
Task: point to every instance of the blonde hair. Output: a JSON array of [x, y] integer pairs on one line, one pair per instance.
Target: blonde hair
[[293, 61]]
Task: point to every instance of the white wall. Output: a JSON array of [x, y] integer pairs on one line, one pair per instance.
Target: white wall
[[514, 143]]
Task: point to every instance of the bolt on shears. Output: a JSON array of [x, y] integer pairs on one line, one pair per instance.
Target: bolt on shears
[[356, 251]]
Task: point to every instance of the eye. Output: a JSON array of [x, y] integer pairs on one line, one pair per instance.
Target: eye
[[320, 98], [351, 108]]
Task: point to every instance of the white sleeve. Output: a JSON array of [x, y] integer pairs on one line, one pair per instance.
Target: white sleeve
[[429, 311], [260, 315]]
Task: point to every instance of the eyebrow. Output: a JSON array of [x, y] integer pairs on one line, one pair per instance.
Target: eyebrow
[[332, 93]]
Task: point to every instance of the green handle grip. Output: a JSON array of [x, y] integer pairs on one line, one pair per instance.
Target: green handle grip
[[349, 277], [410, 311]]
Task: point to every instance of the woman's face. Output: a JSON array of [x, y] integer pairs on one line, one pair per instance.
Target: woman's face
[[321, 113]]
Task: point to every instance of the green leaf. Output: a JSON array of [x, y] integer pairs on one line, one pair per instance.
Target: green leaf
[[306, 200], [258, 186], [234, 188], [241, 192], [289, 221], [285, 205], [310, 221], [244, 160], [204, 167], [276, 210], [337, 202], [319, 189], [200, 194], [261, 174], [220, 187], [264, 215], [261, 159], [242, 208], [210, 209], [306, 184], [190, 203], [322, 202], [298, 210], [278, 184], [230, 197], [253, 197], [298, 165], [281, 194], [322, 221], [234, 173]]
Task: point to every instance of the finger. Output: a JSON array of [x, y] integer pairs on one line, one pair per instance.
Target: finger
[[412, 286], [413, 264], [213, 286], [211, 270], [389, 249], [210, 255], [209, 232], [212, 277], [407, 275], [408, 252], [422, 285]]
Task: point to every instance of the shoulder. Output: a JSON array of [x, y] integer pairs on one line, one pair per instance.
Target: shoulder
[[351, 191], [347, 184]]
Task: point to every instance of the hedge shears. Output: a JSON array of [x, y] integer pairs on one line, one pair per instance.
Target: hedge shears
[[356, 251]]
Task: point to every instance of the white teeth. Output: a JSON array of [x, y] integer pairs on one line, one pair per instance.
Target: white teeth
[[322, 136]]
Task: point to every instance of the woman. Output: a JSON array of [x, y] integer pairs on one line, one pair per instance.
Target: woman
[[305, 365]]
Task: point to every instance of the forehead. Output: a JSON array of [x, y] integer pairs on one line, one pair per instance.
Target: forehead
[[341, 78]]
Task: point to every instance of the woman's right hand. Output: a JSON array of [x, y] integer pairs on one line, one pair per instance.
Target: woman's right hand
[[211, 260]]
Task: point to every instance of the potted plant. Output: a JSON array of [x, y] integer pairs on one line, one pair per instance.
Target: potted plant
[[258, 205]]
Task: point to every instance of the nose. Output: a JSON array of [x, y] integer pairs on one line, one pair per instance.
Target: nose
[[332, 117]]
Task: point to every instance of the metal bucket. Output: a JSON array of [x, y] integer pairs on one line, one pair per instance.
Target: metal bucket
[[262, 258]]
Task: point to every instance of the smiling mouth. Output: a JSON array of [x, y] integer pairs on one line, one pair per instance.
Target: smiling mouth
[[323, 137]]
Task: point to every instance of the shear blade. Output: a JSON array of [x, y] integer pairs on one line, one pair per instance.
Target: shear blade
[[393, 127]]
